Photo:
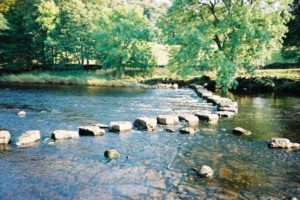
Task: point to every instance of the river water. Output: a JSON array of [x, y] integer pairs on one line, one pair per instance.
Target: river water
[[152, 165]]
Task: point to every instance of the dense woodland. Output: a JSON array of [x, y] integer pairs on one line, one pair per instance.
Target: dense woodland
[[224, 36]]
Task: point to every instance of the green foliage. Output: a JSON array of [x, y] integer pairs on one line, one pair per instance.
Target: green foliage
[[122, 40], [224, 36], [3, 23]]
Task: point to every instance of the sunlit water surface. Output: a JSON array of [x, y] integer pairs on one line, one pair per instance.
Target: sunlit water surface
[[152, 165]]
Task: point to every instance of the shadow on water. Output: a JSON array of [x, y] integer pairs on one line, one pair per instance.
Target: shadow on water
[[152, 165]]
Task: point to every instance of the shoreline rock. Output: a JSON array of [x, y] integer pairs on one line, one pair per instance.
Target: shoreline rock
[[29, 137]]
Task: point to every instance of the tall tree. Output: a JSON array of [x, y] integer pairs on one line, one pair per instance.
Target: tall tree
[[122, 39], [225, 35]]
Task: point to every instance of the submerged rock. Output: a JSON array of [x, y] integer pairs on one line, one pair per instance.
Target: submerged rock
[[188, 130], [29, 137], [190, 119], [120, 126], [283, 143], [91, 131], [4, 137], [241, 131], [104, 126], [145, 123], [207, 116], [170, 130], [167, 119], [111, 154], [206, 171], [62, 134], [22, 113]]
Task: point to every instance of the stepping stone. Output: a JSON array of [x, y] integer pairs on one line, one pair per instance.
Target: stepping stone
[[4, 137], [91, 131], [191, 119], [62, 134], [145, 123], [29, 137], [167, 119], [120, 126], [207, 116], [283, 143]]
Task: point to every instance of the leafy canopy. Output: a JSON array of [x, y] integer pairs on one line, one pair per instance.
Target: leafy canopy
[[122, 40], [224, 35]]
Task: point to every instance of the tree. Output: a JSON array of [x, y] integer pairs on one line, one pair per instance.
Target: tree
[[122, 38], [3, 23], [224, 35]]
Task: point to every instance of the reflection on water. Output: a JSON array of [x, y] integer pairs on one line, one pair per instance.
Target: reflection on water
[[157, 165]]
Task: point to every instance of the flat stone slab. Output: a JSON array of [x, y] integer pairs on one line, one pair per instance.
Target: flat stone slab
[[4, 137], [91, 131], [191, 119], [63, 134], [241, 131], [145, 123], [225, 113], [209, 117], [120, 126], [188, 130], [283, 143], [167, 119], [29, 137]]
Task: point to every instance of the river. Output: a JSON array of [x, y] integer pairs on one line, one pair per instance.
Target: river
[[152, 165]]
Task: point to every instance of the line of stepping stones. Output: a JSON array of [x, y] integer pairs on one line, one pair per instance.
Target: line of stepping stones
[[225, 106]]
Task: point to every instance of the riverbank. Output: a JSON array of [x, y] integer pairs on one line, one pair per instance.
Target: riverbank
[[276, 80]]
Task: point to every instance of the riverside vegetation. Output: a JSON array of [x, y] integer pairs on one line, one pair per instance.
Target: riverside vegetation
[[225, 39]]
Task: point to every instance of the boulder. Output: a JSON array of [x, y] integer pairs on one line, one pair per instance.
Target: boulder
[[207, 116], [145, 123], [240, 131], [167, 119], [22, 113], [91, 131], [283, 143], [188, 130], [62, 134], [206, 171], [29, 137], [103, 126], [225, 113], [111, 154], [4, 137], [190, 119], [120, 126]]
